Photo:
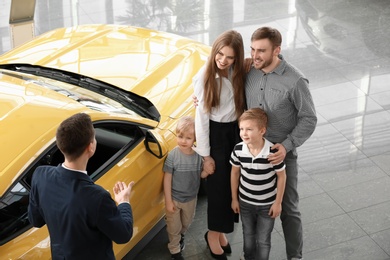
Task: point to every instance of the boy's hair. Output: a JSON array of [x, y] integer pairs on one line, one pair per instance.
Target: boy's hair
[[74, 135], [256, 114], [185, 124]]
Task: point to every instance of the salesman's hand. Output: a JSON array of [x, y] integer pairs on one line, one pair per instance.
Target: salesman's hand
[[122, 191]]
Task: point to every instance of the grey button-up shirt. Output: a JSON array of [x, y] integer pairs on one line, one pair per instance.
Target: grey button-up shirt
[[284, 95]]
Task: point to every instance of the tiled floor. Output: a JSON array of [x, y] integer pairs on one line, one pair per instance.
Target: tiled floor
[[342, 46]]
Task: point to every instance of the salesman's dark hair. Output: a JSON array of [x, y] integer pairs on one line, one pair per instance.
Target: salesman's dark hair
[[74, 135]]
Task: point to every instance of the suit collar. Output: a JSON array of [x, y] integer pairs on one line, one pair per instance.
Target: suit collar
[[73, 174]]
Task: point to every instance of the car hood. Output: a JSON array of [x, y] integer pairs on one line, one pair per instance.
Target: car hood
[[152, 64]]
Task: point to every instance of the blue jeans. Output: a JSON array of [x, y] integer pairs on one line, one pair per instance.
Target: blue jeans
[[257, 226]]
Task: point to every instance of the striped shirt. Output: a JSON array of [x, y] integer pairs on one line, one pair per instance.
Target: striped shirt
[[257, 175], [284, 95]]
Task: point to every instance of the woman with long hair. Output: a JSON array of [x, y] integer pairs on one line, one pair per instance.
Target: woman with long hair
[[219, 88]]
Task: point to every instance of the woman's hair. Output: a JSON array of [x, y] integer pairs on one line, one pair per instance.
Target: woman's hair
[[185, 124], [273, 35], [212, 90], [256, 114], [74, 135]]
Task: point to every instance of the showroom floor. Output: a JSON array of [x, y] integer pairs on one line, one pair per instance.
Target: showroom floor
[[342, 46]]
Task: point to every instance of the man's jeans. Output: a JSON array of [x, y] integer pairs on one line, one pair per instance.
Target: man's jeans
[[257, 226]]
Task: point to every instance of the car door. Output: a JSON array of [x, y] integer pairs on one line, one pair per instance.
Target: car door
[[141, 161], [125, 152]]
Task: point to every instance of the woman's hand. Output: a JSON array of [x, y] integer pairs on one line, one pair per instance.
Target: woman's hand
[[208, 164], [195, 100]]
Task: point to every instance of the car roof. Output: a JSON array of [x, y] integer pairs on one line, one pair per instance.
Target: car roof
[[132, 58]]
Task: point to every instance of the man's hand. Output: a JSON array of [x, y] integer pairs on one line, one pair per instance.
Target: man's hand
[[122, 191], [247, 64], [278, 157]]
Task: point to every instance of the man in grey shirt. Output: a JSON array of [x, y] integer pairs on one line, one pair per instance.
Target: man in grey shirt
[[283, 93]]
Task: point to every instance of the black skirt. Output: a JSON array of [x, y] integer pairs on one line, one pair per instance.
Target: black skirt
[[220, 216]]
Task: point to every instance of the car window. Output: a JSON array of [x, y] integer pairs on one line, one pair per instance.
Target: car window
[[13, 212], [114, 141]]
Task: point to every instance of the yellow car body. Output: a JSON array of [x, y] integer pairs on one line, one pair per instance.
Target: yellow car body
[[54, 76]]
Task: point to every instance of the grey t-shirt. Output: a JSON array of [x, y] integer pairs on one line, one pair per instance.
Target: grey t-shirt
[[185, 170]]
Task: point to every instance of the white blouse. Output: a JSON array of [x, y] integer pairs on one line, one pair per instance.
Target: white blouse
[[225, 113]]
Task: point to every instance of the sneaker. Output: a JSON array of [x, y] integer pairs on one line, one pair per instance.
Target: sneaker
[[182, 244], [177, 256]]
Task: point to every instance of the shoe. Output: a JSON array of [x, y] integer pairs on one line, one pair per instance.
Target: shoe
[[182, 244], [215, 256], [207, 240], [177, 256], [227, 249]]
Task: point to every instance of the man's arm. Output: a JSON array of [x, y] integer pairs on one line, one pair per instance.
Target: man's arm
[[306, 115], [306, 122], [34, 214], [116, 222]]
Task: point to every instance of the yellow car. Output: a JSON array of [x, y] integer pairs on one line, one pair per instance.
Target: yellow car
[[133, 82]]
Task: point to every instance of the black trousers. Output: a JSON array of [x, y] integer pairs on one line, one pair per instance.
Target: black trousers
[[223, 138]]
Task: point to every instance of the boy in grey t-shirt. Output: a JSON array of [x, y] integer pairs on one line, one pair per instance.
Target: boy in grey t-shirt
[[182, 173]]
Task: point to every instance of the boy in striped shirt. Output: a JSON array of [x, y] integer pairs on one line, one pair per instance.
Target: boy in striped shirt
[[257, 185]]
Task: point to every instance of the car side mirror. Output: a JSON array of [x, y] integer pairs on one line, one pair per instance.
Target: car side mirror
[[155, 144]]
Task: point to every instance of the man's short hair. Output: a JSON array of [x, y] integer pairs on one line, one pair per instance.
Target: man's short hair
[[74, 135], [272, 34]]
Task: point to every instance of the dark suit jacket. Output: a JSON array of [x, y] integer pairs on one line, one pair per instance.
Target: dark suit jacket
[[81, 216]]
